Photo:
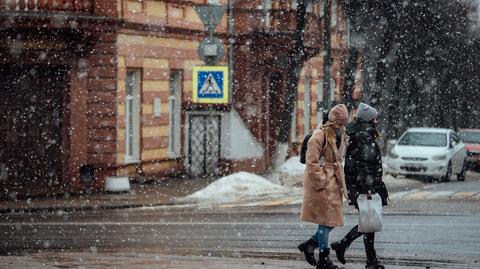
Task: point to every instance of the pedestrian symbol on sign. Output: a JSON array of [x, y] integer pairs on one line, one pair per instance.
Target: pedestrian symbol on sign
[[210, 84]]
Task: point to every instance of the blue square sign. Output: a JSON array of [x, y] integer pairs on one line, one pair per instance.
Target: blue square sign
[[210, 84]]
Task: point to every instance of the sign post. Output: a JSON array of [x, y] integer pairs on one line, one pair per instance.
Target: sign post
[[210, 82], [210, 49]]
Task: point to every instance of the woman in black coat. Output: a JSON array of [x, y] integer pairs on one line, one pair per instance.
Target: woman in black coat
[[363, 175]]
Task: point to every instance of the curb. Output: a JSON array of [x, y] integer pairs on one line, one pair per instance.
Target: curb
[[79, 208]]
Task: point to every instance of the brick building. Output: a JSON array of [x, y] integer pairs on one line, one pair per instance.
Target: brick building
[[264, 32], [109, 84]]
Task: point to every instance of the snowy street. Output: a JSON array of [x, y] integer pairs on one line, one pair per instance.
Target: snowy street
[[408, 238], [240, 222], [247, 221], [239, 134]]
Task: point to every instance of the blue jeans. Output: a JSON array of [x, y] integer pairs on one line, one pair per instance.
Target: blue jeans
[[321, 237]]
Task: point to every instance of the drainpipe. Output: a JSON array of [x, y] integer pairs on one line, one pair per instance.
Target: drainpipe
[[327, 58]]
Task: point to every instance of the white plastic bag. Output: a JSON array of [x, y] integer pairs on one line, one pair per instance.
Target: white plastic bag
[[370, 211]]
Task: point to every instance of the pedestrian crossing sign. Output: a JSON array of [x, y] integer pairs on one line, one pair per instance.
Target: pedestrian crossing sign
[[210, 84]]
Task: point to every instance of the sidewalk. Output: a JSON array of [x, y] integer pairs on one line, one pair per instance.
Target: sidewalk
[[165, 193], [146, 194], [51, 260]]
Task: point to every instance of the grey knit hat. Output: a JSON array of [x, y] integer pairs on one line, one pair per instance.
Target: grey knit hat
[[366, 112]]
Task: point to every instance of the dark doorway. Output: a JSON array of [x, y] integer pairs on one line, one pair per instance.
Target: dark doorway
[[31, 118]]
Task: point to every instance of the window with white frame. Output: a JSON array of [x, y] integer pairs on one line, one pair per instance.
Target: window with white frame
[[319, 101], [293, 126], [267, 6], [333, 87], [307, 105], [294, 5], [132, 116], [334, 14], [174, 106]]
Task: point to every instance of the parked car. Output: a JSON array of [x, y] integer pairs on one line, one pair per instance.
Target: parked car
[[432, 152], [471, 138]]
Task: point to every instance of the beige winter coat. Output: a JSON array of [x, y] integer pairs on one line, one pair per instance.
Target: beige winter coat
[[324, 182]]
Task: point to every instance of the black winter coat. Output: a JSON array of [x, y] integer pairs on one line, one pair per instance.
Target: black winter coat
[[363, 163]]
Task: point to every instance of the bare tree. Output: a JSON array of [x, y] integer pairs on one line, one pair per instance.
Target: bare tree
[[418, 61], [298, 55]]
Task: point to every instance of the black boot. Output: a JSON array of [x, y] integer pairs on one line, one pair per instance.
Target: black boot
[[324, 261], [308, 248], [372, 261], [341, 246]]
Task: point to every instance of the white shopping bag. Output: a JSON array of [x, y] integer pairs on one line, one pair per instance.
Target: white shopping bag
[[370, 219]]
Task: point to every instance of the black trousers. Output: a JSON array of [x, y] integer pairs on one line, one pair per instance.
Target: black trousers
[[368, 241]]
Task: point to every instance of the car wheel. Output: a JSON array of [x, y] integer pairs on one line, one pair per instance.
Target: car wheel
[[448, 175], [461, 176]]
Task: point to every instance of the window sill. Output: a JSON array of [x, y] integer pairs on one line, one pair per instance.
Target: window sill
[[131, 161]]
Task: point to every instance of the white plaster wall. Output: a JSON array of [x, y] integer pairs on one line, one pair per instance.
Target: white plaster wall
[[237, 141]]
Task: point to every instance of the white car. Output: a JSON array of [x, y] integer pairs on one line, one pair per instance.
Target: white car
[[432, 152]]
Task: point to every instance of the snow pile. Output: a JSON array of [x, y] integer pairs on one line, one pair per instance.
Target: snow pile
[[289, 173], [238, 186]]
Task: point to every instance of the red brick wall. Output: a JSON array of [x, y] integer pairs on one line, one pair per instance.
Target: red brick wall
[[101, 106]]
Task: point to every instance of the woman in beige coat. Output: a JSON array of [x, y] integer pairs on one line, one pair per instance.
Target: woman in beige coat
[[324, 185]]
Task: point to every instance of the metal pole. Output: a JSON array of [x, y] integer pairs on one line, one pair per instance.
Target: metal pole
[[210, 27], [231, 42]]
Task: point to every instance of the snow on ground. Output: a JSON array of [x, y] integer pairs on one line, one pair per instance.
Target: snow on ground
[[289, 173], [292, 171], [239, 186], [285, 181], [400, 183]]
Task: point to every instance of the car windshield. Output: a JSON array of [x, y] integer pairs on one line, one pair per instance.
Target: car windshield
[[424, 139], [470, 137]]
